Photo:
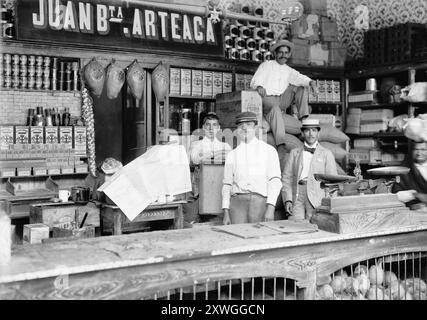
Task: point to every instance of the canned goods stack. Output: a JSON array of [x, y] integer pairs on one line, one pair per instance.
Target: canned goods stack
[[38, 72], [248, 40]]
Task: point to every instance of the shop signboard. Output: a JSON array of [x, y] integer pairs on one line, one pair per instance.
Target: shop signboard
[[117, 25]]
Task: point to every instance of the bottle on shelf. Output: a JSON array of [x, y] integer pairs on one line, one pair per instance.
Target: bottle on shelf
[[66, 117]]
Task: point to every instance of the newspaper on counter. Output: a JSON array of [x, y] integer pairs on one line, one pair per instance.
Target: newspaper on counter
[[162, 170]]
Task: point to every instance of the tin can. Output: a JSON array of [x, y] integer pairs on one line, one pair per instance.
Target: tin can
[[262, 46], [240, 22], [23, 59], [244, 54], [15, 59], [245, 32], [31, 82], [247, 9], [234, 54], [251, 44], [7, 58], [239, 43], [228, 42], [265, 25], [233, 30], [257, 55], [253, 24], [32, 60], [268, 56], [24, 82], [269, 35], [7, 81], [258, 34], [15, 81], [39, 61]]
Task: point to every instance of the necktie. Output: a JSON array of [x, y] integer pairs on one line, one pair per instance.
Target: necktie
[[311, 150]]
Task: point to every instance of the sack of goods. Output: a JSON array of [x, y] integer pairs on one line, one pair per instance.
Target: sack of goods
[[331, 134], [292, 124], [291, 142], [337, 150], [416, 128]]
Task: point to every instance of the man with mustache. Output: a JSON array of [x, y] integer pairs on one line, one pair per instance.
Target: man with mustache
[[279, 86], [251, 182], [301, 193]]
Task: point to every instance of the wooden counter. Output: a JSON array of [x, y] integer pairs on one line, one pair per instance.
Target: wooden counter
[[137, 265]]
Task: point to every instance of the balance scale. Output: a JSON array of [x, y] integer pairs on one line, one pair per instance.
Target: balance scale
[[353, 205]]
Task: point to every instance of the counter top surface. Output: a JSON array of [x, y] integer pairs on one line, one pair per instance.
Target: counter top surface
[[108, 252]]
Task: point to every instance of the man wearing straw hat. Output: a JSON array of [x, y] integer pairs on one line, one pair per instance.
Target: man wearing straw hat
[[279, 86], [301, 193], [251, 182]]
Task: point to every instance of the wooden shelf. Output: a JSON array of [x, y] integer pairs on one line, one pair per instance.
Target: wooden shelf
[[325, 103], [379, 105], [46, 175], [173, 96], [386, 70], [75, 93]]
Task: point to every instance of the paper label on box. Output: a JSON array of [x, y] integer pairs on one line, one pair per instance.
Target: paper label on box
[[6, 137], [36, 135], [196, 83], [227, 82], [207, 89], [185, 82], [175, 81], [217, 83], [22, 135], [240, 82], [329, 91], [312, 97], [66, 137], [336, 95], [79, 139], [248, 79], [51, 135], [321, 86]]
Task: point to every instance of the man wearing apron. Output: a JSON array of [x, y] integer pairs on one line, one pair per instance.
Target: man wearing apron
[[251, 182]]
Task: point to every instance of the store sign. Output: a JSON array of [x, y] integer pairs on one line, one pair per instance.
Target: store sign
[[118, 25]]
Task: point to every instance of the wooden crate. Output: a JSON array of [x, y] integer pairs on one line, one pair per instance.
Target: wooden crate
[[61, 214], [210, 188], [228, 105], [84, 232], [35, 233]]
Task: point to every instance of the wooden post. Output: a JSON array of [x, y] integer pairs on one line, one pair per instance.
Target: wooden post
[[5, 235], [179, 218], [117, 222]]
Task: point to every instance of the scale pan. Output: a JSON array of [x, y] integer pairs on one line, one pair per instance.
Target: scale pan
[[389, 171], [333, 177]]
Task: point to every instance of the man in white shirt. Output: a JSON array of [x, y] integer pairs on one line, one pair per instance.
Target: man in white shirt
[[209, 148], [279, 85], [301, 192], [251, 182]]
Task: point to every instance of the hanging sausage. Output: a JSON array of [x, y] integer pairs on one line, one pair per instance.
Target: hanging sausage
[[89, 122], [94, 76], [136, 79], [160, 82], [115, 80]]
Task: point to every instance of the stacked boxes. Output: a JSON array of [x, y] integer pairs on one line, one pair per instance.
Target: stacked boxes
[[199, 83], [373, 121]]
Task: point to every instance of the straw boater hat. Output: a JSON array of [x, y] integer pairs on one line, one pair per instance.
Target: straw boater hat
[[310, 123], [281, 43], [246, 117]]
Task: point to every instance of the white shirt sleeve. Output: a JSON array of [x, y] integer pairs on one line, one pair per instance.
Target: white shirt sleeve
[[258, 78], [298, 79], [274, 184], [228, 181]]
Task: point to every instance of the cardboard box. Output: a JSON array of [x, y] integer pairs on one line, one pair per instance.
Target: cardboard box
[[336, 93], [7, 172], [248, 79], [227, 82], [321, 86], [175, 81], [51, 135], [79, 140], [365, 143], [22, 135], [23, 172], [329, 90], [374, 156], [6, 137], [53, 171], [240, 82], [66, 137], [81, 168], [357, 154], [37, 135], [311, 96], [196, 83], [207, 89], [324, 118], [373, 127], [35, 233], [228, 105], [217, 83], [185, 82], [377, 115], [328, 29], [39, 171], [363, 97]]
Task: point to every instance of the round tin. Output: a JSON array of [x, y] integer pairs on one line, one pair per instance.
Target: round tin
[[251, 44], [244, 54], [239, 43]]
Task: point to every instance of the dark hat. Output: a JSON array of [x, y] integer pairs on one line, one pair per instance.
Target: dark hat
[[310, 123], [246, 117], [281, 43]]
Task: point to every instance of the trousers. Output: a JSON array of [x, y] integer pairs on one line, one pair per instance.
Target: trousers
[[274, 105], [302, 208], [247, 208]]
